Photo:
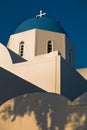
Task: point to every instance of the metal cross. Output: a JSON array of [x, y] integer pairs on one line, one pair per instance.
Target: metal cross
[[41, 14]]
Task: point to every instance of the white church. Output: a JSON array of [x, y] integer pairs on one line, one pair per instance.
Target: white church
[[40, 89]]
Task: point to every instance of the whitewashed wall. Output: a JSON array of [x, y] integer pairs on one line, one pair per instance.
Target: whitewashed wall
[[44, 111], [5, 58], [42, 71], [28, 37]]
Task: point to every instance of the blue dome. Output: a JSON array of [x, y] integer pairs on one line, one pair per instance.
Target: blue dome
[[43, 23]]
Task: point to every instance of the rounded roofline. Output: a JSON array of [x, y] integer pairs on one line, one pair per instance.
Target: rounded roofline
[[43, 23]]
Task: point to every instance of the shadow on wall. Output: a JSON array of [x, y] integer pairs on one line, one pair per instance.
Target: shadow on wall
[[52, 111]]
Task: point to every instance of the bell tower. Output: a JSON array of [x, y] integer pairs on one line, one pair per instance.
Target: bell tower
[[41, 35]]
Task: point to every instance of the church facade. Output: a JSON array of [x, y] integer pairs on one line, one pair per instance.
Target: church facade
[[40, 58]]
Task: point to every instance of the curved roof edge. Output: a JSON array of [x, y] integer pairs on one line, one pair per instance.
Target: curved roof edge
[[43, 23]]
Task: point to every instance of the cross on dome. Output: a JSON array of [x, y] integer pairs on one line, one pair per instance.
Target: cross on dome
[[41, 14]]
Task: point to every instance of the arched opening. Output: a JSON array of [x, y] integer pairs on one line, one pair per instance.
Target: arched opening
[[50, 47], [21, 48]]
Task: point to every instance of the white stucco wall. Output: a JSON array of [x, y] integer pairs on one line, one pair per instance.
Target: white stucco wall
[[29, 38], [69, 48], [43, 71], [71, 81], [43, 111], [51, 73], [83, 72], [42, 38], [36, 43], [5, 58]]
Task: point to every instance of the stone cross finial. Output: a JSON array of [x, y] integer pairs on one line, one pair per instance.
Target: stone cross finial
[[41, 14]]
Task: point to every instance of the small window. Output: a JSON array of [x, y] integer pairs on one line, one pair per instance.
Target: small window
[[50, 46], [21, 48]]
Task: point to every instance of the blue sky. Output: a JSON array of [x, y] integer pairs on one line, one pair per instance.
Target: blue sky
[[71, 13]]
